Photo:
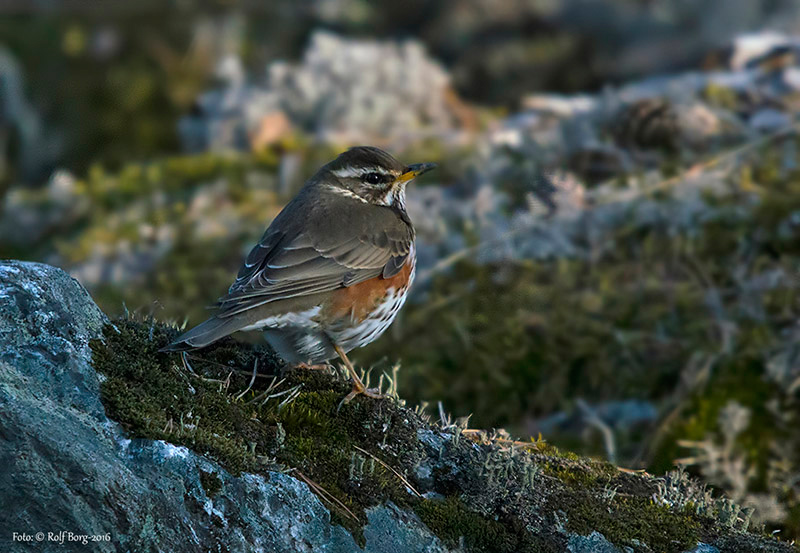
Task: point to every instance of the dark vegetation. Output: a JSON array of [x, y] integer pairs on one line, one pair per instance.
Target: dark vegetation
[[485, 491]]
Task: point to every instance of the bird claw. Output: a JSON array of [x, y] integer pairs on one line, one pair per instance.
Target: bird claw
[[360, 390]]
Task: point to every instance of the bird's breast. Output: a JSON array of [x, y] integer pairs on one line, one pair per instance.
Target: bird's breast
[[359, 302]]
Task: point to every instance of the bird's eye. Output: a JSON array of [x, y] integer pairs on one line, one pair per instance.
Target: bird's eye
[[373, 178]]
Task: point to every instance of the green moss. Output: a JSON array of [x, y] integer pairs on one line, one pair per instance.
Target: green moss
[[154, 396], [453, 522], [626, 521], [363, 453], [722, 96], [584, 473]]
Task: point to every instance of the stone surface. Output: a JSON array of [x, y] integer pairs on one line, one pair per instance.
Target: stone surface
[[342, 89], [67, 467]]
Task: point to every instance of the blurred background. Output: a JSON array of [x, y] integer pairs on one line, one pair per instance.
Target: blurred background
[[609, 252]]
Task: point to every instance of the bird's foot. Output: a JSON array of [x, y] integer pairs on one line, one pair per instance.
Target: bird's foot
[[360, 390]]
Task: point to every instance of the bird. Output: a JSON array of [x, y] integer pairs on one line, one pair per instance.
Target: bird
[[332, 269]]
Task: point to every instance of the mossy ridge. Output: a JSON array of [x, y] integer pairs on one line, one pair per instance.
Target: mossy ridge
[[153, 398], [493, 498], [451, 520], [632, 521]]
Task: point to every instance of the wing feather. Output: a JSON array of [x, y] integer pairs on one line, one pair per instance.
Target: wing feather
[[300, 255]]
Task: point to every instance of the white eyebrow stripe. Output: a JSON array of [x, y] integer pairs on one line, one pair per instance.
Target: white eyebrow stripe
[[350, 172], [346, 193]]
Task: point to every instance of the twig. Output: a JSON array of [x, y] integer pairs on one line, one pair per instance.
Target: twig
[[252, 379], [293, 393], [325, 494], [224, 383], [270, 388], [468, 432], [186, 365], [400, 476], [593, 419]]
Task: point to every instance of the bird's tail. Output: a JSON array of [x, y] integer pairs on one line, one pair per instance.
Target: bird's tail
[[203, 334]]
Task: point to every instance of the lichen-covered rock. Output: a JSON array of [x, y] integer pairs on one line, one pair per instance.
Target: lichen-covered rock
[[67, 467], [260, 474], [343, 89]]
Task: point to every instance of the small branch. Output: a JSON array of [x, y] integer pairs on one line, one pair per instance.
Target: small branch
[[400, 476], [593, 419], [252, 379], [326, 495], [225, 366]]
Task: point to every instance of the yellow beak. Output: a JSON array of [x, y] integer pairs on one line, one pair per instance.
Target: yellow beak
[[413, 171]]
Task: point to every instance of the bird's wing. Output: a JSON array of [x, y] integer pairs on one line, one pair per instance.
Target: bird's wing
[[307, 251]]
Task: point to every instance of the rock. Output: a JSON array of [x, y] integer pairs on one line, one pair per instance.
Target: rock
[[46, 322], [658, 124], [67, 467], [593, 543], [769, 120], [342, 90], [750, 49]]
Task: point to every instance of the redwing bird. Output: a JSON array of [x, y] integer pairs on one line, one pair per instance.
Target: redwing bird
[[331, 271]]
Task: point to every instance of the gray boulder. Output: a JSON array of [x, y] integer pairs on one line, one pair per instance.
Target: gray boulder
[[66, 467]]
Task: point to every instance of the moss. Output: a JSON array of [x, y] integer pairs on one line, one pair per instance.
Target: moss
[[456, 525], [722, 96], [153, 396], [579, 472], [367, 452], [629, 521]]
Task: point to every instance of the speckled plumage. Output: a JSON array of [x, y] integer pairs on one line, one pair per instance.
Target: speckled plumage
[[333, 268]]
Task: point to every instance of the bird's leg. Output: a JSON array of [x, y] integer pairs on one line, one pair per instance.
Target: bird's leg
[[358, 385]]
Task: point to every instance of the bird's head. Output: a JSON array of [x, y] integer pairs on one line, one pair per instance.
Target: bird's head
[[371, 175]]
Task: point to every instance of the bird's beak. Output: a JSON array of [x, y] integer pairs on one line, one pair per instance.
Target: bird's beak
[[413, 171]]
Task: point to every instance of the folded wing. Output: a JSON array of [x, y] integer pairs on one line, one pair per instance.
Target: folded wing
[[306, 251]]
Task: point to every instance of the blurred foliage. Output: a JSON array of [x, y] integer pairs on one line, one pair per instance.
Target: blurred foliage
[[688, 322], [113, 82]]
